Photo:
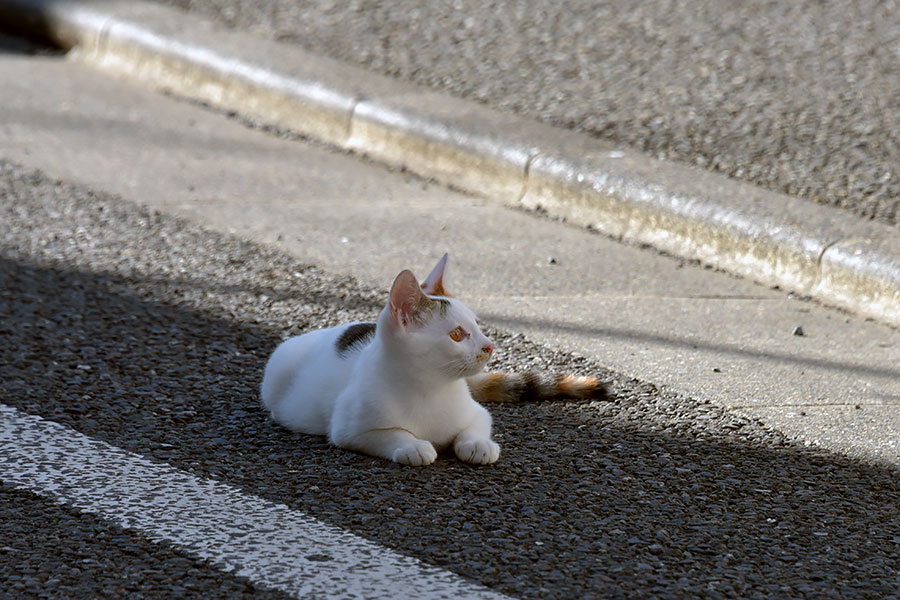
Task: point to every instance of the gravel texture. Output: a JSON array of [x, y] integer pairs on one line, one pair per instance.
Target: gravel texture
[[798, 97], [151, 333]]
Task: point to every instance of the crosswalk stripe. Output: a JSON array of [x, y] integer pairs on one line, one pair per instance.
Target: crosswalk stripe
[[270, 544]]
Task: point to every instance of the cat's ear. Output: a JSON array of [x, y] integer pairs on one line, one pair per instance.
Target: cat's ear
[[409, 306], [434, 283]]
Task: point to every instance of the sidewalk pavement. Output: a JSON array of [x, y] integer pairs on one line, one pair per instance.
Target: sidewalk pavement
[[767, 237], [658, 318], [795, 97]]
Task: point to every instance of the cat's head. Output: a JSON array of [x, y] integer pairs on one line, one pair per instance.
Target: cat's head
[[439, 333]]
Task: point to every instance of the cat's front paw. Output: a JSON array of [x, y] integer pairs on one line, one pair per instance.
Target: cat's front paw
[[479, 452], [415, 454]]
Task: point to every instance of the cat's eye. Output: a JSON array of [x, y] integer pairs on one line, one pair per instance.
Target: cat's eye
[[458, 334]]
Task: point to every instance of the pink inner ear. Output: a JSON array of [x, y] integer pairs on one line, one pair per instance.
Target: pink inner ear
[[434, 283], [407, 299]]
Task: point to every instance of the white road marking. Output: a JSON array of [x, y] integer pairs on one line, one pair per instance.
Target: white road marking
[[272, 545]]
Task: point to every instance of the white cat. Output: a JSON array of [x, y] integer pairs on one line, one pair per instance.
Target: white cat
[[398, 388]]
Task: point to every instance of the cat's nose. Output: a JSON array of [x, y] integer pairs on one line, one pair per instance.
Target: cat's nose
[[488, 348]]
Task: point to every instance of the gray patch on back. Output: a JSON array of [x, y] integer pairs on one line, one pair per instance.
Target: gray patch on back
[[357, 334]]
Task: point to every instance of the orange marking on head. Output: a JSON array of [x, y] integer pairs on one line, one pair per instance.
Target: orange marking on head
[[437, 290], [434, 283]]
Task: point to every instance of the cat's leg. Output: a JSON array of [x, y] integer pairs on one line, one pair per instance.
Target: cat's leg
[[474, 443], [397, 445]]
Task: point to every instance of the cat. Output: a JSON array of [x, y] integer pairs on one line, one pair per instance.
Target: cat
[[402, 388]]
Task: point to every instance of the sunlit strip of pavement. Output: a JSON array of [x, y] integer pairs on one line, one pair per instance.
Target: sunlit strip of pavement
[[268, 543]]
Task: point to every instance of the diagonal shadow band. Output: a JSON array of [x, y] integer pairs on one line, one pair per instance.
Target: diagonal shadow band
[[154, 339], [617, 333]]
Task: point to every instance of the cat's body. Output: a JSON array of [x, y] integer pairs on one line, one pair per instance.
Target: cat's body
[[398, 388]]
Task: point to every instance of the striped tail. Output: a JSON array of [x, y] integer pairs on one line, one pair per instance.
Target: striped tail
[[531, 387]]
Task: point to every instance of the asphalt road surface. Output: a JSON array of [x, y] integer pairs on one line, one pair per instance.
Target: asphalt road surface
[[150, 333], [798, 97]]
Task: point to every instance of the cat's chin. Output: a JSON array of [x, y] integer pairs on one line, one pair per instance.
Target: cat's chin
[[474, 369]]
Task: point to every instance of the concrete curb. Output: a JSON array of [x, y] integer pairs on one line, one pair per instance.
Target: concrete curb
[[772, 238]]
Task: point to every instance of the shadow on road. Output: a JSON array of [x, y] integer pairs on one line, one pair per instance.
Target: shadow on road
[[624, 498], [17, 45], [615, 333], [151, 333]]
